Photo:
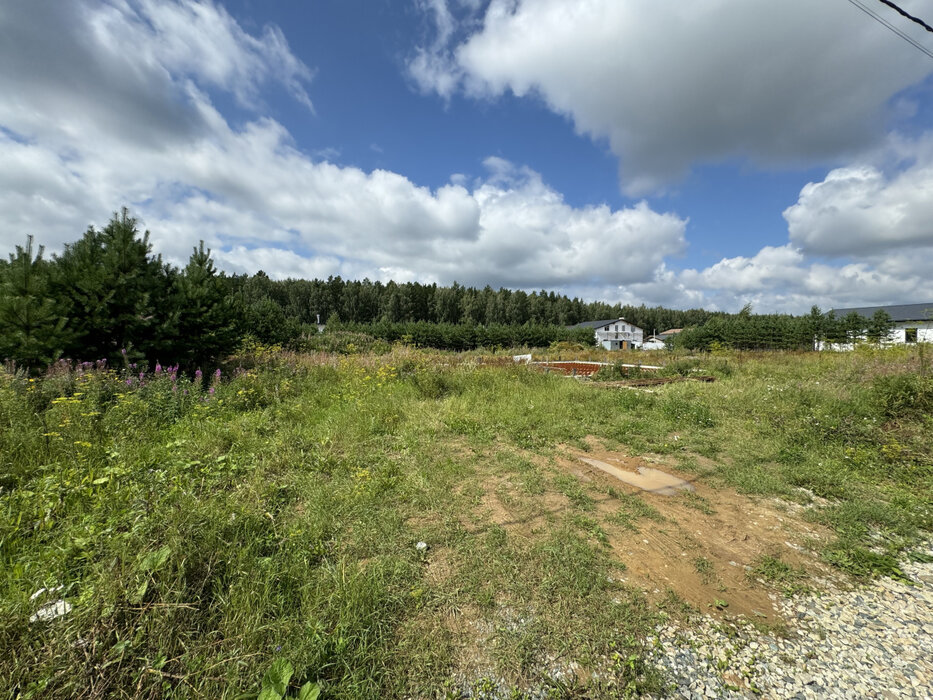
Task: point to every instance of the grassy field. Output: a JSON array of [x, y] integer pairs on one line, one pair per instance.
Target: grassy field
[[255, 535]]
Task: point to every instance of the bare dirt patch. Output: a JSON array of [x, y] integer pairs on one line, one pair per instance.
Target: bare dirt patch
[[440, 566], [701, 544], [682, 535], [503, 504]]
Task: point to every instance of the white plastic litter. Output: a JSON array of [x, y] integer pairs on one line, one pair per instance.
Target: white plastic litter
[[55, 589], [51, 611]]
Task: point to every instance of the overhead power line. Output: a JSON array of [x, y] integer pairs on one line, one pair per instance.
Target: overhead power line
[[906, 14], [878, 18]]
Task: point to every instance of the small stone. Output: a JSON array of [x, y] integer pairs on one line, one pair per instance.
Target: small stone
[[422, 546]]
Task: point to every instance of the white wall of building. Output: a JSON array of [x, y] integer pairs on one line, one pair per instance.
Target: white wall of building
[[924, 331], [612, 335], [898, 335]]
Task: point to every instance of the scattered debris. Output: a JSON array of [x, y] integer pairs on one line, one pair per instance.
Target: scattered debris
[[653, 381], [580, 368], [644, 478], [55, 589], [51, 611]]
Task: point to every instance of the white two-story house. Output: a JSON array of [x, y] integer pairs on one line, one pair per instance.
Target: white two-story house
[[615, 333]]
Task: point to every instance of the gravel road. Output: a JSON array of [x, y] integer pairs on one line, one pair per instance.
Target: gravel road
[[874, 641]]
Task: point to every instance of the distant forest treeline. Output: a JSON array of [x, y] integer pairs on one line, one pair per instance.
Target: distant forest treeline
[[106, 296], [370, 302]]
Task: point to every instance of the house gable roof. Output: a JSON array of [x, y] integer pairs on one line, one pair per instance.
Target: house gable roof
[[600, 324], [897, 312]]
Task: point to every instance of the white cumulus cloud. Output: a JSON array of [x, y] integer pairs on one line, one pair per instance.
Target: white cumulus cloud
[[83, 133], [669, 84], [864, 211]]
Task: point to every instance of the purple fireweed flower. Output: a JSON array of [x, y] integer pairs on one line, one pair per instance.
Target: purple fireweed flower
[[198, 374], [123, 352], [129, 382], [217, 374], [158, 368], [141, 375], [211, 390], [132, 365]]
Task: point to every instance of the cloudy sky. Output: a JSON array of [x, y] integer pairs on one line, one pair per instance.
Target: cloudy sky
[[705, 153]]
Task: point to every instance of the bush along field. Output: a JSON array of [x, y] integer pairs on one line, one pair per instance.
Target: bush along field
[[415, 524]]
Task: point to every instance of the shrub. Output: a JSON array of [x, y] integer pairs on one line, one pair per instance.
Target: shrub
[[903, 395]]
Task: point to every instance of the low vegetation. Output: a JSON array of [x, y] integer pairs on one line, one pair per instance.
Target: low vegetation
[[257, 530]]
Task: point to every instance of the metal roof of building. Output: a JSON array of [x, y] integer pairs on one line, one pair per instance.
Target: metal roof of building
[[897, 312], [600, 324]]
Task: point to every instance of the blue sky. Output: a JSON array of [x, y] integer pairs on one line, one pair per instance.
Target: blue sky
[[704, 154], [368, 115]]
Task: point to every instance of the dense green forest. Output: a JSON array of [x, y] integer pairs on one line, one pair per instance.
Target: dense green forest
[[300, 301], [108, 297]]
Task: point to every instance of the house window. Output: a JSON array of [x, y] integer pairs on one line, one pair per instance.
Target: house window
[[910, 335]]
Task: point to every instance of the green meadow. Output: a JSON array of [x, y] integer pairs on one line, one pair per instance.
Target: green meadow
[[255, 534]]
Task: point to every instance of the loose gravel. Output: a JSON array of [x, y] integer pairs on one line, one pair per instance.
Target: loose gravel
[[874, 641]]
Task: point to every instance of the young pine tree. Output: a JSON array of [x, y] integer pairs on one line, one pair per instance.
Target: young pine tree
[[78, 284], [116, 293], [138, 308], [31, 327], [879, 326], [205, 325]]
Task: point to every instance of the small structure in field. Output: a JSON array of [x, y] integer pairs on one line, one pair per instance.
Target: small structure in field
[[654, 342], [669, 333], [910, 323], [614, 333]]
